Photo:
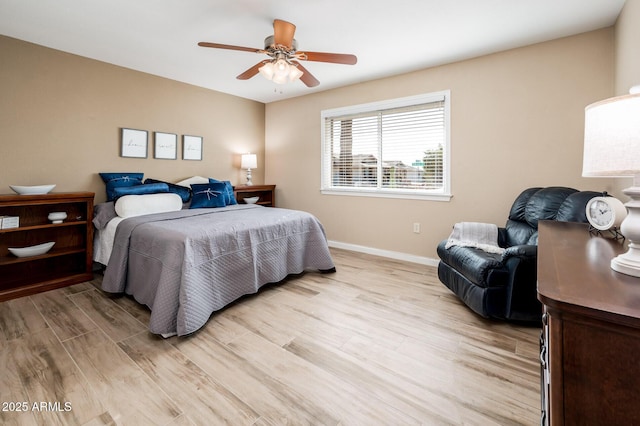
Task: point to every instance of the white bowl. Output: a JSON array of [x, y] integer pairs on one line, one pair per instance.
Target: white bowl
[[32, 250], [251, 200], [32, 190], [57, 217]]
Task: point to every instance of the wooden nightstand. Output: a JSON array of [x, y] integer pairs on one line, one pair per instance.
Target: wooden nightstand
[[267, 194]]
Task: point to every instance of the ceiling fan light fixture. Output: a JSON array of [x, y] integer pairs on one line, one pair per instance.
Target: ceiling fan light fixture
[[280, 70], [294, 73], [280, 78], [267, 70], [281, 67]]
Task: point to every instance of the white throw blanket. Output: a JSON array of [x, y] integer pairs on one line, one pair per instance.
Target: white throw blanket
[[483, 236]]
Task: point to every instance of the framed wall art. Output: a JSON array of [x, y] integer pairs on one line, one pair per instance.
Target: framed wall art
[[191, 147], [134, 143], [165, 146]]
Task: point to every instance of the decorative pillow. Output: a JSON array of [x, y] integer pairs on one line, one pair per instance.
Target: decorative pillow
[[192, 180], [207, 195], [137, 205], [182, 191], [152, 188], [229, 198], [119, 179]]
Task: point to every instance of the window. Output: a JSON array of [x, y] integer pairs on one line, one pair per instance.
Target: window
[[396, 148]]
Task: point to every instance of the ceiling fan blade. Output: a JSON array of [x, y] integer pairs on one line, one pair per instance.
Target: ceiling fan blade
[[229, 47], [251, 71], [308, 79], [335, 58], [283, 32]]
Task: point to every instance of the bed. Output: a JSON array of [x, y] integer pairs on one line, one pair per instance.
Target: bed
[[188, 263]]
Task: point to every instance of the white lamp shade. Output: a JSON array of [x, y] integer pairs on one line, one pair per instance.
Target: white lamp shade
[[267, 70], [249, 161], [294, 73], [612, 137], [281, 68], [279, 78]]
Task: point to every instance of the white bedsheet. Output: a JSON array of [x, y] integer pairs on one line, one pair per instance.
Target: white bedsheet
[[103, 241]]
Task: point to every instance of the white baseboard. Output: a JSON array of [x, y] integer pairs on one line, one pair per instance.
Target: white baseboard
[[385, 253]]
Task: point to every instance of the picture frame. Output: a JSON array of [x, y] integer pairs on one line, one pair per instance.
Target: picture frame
[[165, 146], [133, 143], [191, 147]]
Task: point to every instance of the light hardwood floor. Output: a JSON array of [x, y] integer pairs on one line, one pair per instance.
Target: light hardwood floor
[[380, 342]]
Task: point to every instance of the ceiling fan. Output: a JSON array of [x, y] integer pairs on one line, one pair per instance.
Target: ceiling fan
[[284, 64]]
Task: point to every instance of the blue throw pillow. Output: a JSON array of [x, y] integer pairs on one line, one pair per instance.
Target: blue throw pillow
[[182, 191], [120, 179], [207, 195], [151, 188], [229, 198]]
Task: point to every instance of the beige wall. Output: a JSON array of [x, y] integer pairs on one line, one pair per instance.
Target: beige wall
[[60, 120], [627, 64], [517, 121], [627, 37]]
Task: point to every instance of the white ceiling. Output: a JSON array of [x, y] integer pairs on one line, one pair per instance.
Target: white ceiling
[[388, 36]]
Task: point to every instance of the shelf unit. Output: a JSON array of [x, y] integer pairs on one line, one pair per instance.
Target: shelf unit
[[265, 192], [70, 259]]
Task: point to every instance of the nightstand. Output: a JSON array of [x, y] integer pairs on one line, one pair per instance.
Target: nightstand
[[267, 194]]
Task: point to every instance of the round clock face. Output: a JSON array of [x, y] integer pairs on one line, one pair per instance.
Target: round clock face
[[600, 214], [604, 213]]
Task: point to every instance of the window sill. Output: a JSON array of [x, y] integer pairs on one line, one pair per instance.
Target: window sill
[[410, 195]]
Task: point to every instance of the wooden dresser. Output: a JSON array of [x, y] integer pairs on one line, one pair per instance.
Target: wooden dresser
[[590, 347]]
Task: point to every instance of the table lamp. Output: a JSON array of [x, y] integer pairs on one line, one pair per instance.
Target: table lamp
[[249, 161], [612, 149]]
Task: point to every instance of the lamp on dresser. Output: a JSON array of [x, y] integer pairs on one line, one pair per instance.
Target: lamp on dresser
[[612, 149], [249, 161]]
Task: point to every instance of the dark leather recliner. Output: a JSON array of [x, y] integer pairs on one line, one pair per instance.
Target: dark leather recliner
[[503, 286]]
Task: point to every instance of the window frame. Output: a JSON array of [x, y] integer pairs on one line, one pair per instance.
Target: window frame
[[443, 194]]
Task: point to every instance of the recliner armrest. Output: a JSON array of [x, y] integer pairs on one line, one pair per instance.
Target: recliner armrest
[[523, 251]]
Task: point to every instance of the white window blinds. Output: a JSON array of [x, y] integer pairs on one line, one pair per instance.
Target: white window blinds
[[391, 147]]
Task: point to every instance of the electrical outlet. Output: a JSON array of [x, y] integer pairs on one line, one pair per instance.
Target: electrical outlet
[[416, 228]]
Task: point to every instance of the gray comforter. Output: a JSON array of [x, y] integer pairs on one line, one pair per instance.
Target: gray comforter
[[188, 264]]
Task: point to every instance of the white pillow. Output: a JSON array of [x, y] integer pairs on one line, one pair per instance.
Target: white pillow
[[195, 179], [137, 205]]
